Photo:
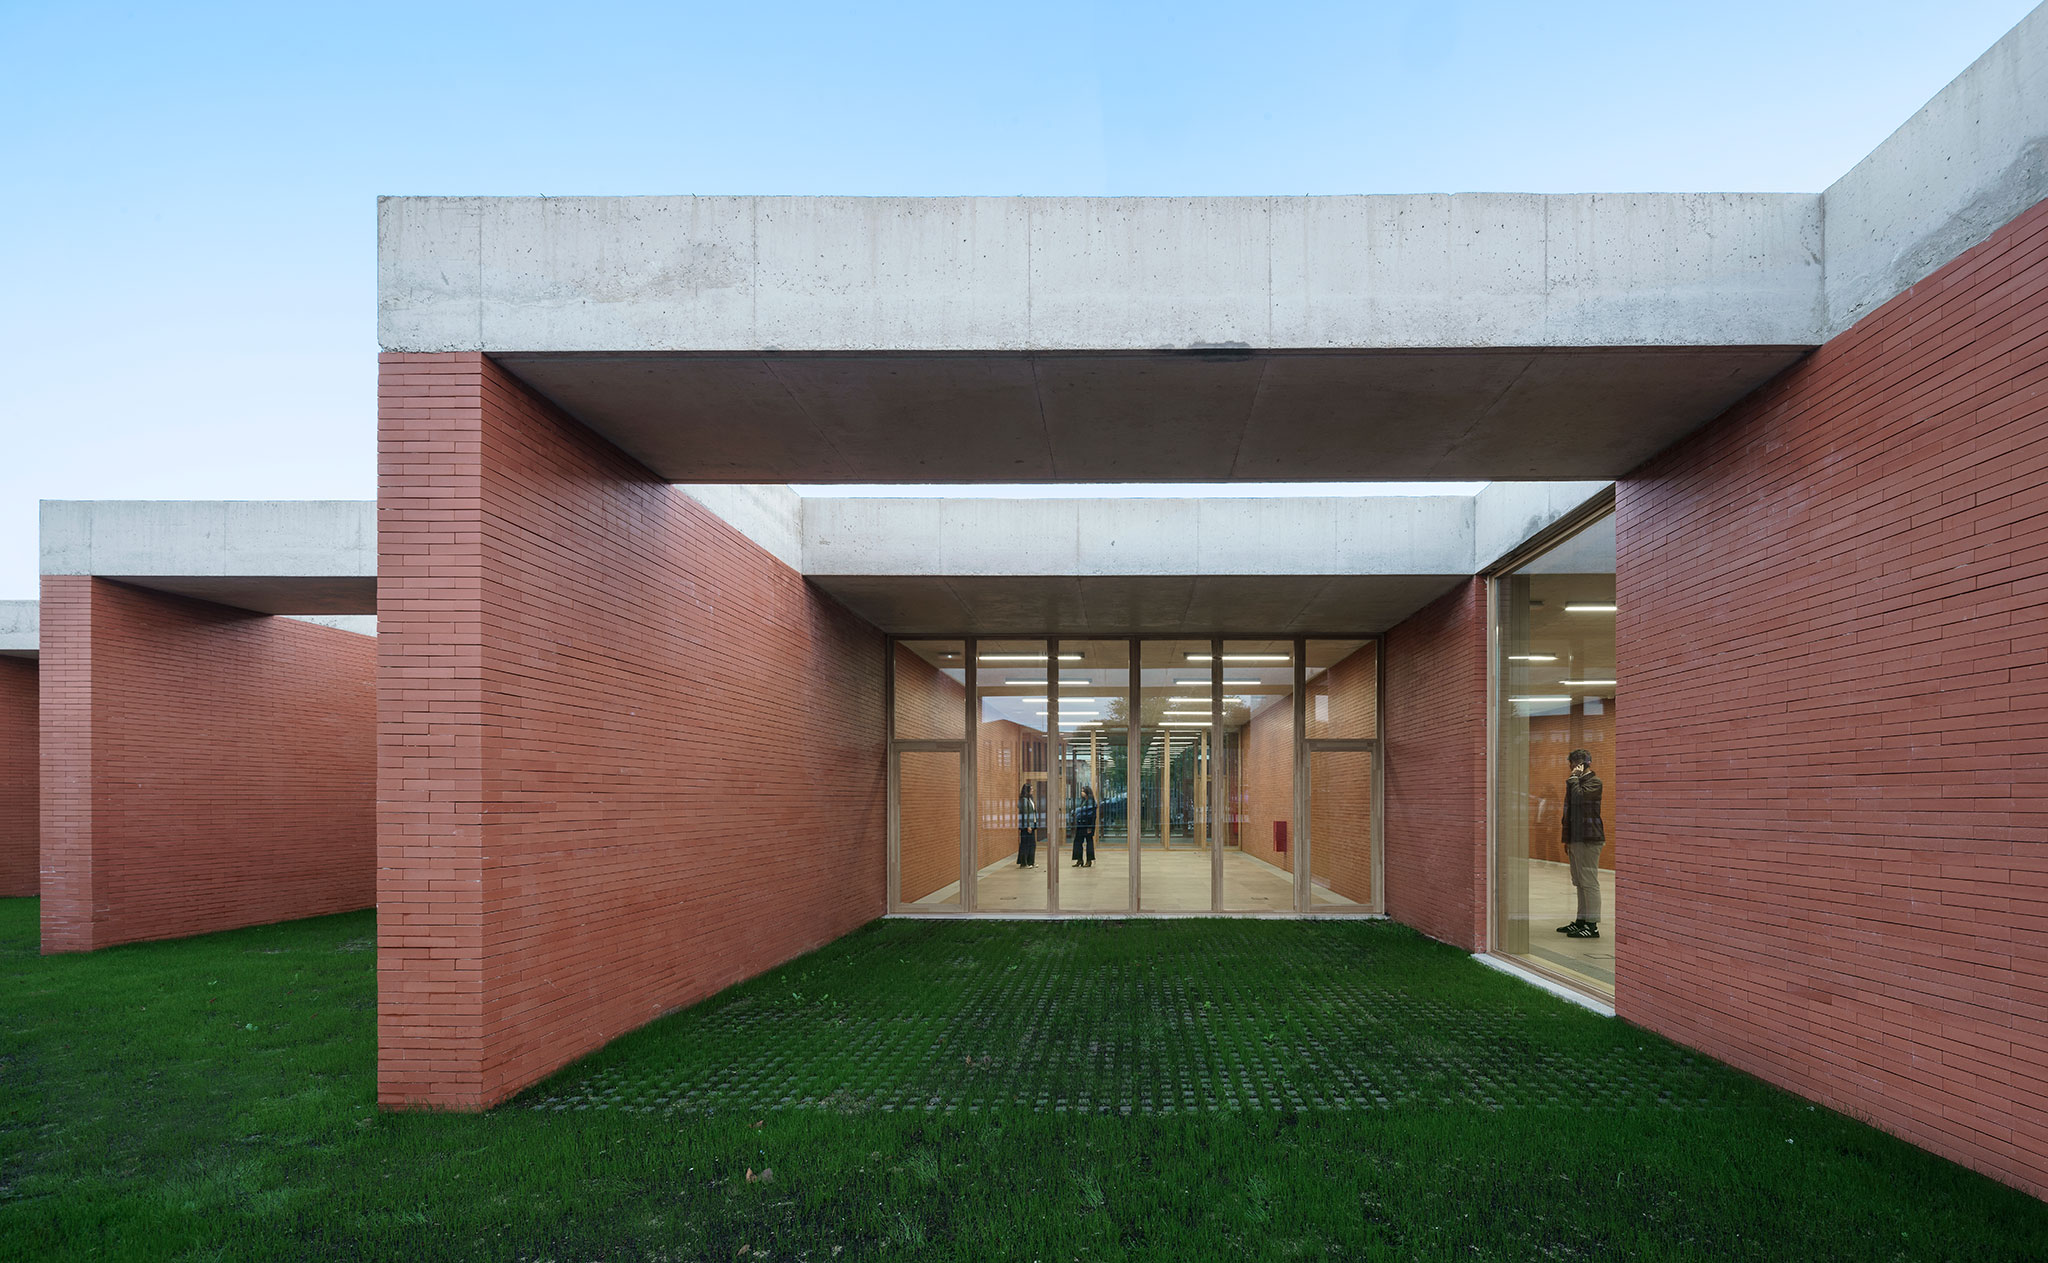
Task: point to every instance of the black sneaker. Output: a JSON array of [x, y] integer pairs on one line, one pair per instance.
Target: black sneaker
[[1567, 929], [1584, 929]]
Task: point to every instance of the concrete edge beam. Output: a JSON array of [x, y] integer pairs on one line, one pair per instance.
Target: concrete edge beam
[[213, 538], [21, 628], [683, 273], [1964, 165]]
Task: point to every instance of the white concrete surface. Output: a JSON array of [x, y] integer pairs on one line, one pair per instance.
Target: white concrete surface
[[20, 622], [1506, 515], [1241, 536], [271, 556], [1045, 274], [771, 516], [1964, 165]]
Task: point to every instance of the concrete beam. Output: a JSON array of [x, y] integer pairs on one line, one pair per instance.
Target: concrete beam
[[619, 274], [20, 624], [771, 515], [1506, 515], [269, 556], [1280, 535], [1958, 170]]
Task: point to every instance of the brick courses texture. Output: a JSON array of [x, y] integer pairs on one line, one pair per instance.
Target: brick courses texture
[[1435, 768], [202, 767], [20, 778], [626, 757], [1834, 859]]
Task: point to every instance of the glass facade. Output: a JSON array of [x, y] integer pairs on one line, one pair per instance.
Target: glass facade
[[1161, 775], [1556, 690]]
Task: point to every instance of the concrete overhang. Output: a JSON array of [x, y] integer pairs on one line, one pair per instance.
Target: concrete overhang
[[20, 623], [1321, 565], [266, 556], [1468, 336]]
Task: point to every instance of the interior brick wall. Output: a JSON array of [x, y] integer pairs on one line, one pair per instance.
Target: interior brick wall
[[202, 767], [20, 779], [1435, 768], [1008, 751], [627, 758], [929, 704], [1835, 871], [1552, 738], [1265, 785], [1343, 703]]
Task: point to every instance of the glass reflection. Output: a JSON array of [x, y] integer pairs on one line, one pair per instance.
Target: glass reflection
[[1256, 753], [1555, 792], [1012, 850]]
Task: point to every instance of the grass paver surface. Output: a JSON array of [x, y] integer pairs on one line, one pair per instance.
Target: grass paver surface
[[966, 1090]]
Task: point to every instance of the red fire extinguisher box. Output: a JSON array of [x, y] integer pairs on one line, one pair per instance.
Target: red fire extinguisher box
[[1280, 837]]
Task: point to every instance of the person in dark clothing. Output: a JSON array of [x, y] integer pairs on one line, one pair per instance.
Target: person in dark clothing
[[1584, 835], [1027, 827], [1084, 828]]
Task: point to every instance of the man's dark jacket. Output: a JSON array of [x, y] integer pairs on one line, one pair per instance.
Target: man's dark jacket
[[1582, 821]]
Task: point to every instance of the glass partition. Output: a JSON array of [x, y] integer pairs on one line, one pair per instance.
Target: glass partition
[[928, 827], [1093, 762], [1555, 788], [1172, 769], [1256, 755], [1342, 721], [930, 702], [1013, 854]]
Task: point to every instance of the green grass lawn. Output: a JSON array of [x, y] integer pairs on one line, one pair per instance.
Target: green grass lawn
[[1180, 1090]]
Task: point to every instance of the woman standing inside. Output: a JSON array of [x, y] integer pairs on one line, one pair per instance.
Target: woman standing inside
[[1084, 828], [1027, 827]]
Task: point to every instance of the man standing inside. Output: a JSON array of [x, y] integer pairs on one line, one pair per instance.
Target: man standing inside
[[1584, 836]]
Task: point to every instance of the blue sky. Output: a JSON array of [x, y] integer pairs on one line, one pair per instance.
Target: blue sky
[[188, 247]]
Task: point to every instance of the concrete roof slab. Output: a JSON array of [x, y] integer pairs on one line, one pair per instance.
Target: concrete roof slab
[[269, 556]]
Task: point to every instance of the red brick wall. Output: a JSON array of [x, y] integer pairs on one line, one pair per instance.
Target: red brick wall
[[1836, 744], [626, 757], [1340, 782], [1008, 749], [19, 779], [1435, 768], [202, 767]]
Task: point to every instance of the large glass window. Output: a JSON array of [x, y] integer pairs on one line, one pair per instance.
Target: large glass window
[[1555, 788], [1014, 846], [1342, 720], [1095, 859], [929, 711], [1174, 722], [1101, 776], [1256, 751]]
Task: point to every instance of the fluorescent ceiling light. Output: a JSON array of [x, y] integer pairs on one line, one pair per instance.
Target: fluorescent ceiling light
[[1232, 684], [1023, 657], [1587, 684], [1039, 684], [1185, 714], [1532, 657], [1282, 658], [1187, 701], [1559, 698], [1065, 711], [1588, 607], [1185, 723]]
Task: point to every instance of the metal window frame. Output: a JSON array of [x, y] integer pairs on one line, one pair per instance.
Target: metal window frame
[[1601, 505]]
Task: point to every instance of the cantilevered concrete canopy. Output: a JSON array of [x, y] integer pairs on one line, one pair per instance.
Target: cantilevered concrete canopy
[[266, 556], [1474, 336]]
